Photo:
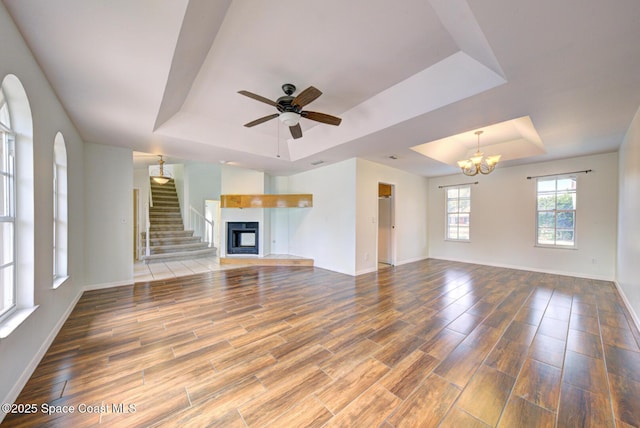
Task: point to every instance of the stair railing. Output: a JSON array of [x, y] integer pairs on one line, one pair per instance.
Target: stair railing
[[201, 226], [147, 242]]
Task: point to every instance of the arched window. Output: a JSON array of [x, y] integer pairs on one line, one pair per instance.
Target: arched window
[[60, 207], [8, 209], [17, 206]]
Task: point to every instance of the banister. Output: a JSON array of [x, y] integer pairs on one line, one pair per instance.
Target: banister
[[198, 223]]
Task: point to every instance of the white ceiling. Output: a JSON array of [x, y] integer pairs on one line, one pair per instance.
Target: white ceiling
[[161, 76]]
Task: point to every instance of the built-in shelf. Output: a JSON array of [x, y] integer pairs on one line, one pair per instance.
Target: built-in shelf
[[301, 200]]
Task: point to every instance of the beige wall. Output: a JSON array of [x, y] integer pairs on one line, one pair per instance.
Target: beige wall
[[503, 219]]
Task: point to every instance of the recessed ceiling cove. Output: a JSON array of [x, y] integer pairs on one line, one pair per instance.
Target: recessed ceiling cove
[[513, 139]]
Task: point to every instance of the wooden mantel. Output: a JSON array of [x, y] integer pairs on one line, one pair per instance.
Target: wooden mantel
[[301, 200]]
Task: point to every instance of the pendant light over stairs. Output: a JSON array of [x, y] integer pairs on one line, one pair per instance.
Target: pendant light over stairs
[[168, 239]]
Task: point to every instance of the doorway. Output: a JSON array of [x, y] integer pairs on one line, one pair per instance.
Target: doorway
[[386, 225]]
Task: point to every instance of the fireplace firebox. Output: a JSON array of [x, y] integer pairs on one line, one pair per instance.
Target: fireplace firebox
[[242, 237]]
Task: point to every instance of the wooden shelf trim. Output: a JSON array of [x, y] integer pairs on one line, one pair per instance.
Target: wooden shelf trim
[[301, 200]]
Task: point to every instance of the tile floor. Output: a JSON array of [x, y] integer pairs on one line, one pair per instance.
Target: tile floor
[[164, 270]]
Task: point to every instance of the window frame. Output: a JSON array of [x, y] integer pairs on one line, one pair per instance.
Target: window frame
[[555, 211], [8, 171], [457, 213], [60, 211]]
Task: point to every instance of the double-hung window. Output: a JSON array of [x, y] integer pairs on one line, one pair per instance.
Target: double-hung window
[[556, 211], [458, 213], [7, 212]]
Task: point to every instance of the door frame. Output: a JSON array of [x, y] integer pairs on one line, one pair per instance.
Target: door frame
[[392, 228]]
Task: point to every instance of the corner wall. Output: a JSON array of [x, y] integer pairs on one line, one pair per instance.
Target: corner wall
[[628, 249], [21, 351], [503, 219], [326, 232], [109, 215], [411, 213]]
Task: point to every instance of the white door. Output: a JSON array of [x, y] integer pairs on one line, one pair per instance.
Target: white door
[[385, 230]]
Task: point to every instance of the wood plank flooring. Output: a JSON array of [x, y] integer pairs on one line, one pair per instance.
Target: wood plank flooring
[[431, 343]]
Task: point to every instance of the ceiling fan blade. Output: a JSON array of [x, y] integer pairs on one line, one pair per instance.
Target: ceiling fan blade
[[258, 98], [321, 117], [296, 131], [306, 96], [261, 120]]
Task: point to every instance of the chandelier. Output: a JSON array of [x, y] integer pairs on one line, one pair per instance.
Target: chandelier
[[478, 163], [162, 177]]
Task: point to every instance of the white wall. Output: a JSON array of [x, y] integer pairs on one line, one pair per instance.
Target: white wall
[[201, 182], [327, 231], [628, 262], [238, 181], [21, 351], [279, 218], [411, 213], [109, 215], [503, 219]]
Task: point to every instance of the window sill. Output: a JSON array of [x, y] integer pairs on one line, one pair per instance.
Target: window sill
[[9, 324], [58, 281], [464, 241], [555, 247]]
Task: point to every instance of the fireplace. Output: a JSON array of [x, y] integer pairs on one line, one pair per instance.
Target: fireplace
[[242, 237]]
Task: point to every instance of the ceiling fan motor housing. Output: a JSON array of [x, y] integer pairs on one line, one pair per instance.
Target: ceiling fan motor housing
[[290, 108], [289, 88]]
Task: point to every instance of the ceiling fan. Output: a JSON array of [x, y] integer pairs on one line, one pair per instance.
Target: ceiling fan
[[290, 109]]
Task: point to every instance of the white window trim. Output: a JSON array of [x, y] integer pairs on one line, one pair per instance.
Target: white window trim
[[22, 128], [446, 213], [575, 219]]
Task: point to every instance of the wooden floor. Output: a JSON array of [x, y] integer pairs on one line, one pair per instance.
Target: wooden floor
[[431, 343]]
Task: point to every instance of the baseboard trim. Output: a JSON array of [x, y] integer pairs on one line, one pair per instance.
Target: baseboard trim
[[107, 285], [13, 394], [412, 260], [634, 315], [530, 269]]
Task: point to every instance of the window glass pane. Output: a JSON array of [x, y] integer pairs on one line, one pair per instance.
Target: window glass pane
[[4, 112], [547, 185], [452, 193], [465, 192], [564, 237], [452, 206], [566, 220], [463, 233], [7, 291], [566, 201], [6, 240], [464, 219], [546, 201], [546, 219], [465, 205], [567, 184], [453, 219], [4, 196], [453, 232], [546, 236]]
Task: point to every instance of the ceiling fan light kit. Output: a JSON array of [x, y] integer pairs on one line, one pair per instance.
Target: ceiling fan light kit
[[289, 118], [290, 109]]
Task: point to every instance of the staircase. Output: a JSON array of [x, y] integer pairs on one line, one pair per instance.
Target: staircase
[[168, 240]]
